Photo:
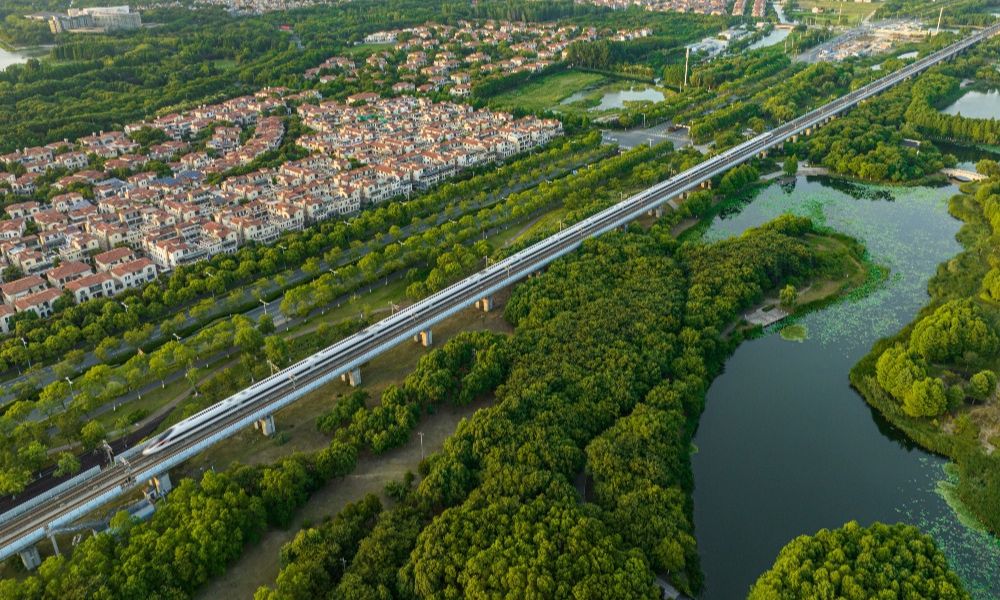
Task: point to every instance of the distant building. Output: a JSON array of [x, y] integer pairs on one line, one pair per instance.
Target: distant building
[[96, 19]]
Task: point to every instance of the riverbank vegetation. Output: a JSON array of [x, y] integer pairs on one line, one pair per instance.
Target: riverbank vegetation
[[936, 379], [890, 137], [577, 393], [857, 563], [574, 405]]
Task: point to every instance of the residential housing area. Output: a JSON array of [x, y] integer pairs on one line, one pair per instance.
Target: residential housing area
[[436, 57], [701, 7], [106, 232]]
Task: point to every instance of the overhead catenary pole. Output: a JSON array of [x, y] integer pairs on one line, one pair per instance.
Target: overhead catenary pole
[[687, 62]]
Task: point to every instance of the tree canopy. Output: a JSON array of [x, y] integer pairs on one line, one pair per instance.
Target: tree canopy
[[886, 562]]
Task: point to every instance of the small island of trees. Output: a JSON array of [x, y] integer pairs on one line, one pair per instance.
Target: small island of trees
[[883, 562]]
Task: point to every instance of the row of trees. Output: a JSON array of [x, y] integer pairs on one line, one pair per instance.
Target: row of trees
[[201, 527], [934, 90], [613, 350], [190, 287], [609, 364], [867, 142], [441, 246], [64, 405]]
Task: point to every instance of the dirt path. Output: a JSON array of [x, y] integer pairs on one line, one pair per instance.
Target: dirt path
[[259, 564]]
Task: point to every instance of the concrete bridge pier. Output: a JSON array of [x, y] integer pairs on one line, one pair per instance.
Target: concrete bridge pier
[[30, 557], [161, 484], [486, 303], [265, 425], [353, 377], [425, 337]]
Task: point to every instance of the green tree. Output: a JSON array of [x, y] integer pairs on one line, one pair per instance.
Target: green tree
[[791, 166], [788, 296], [988, 167], [983, 385], [249, 340], [276, 351], [67, 464], [92, 434], [107, 346], [856, 562], [265, 324], [926, 398]]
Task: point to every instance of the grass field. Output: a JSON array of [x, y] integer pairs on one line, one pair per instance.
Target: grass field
[[224, 64], [260, 562], [834, 11], [549, 91]]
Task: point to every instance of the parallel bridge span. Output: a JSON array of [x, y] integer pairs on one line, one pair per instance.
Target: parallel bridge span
[[20, 529]]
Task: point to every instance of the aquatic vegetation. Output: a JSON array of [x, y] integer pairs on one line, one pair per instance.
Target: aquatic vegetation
[[795, 333]]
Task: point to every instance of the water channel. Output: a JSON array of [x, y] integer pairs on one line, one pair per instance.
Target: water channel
[[785, 446]]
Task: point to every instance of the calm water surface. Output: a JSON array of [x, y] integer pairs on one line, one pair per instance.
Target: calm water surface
[[775, 37], [785, 446], [618, 98], [977, 105], [8, 58]]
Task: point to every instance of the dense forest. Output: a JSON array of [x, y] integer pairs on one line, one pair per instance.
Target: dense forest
[[858, 563], [937, 378], [614, 347], [436, 251]]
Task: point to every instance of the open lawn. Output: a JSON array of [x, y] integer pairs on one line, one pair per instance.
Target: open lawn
[[546, 93], [851, 274], [834, 11], [363, 50], [296, 423]]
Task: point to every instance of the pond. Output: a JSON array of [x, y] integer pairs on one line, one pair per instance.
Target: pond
[[775, 37], [19, 56], [8, 58], [785, 446], [977, 105], [617, 98]]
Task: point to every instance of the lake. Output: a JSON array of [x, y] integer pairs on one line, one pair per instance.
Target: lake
[[785, 447], [618, 98], [977, 105]]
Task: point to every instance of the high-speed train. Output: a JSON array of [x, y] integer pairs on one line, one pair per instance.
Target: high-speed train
[[219, 411], [614, 214]]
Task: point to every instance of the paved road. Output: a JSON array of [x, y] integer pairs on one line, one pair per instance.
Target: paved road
[[347, 356], [292, 278], [631, 138]]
